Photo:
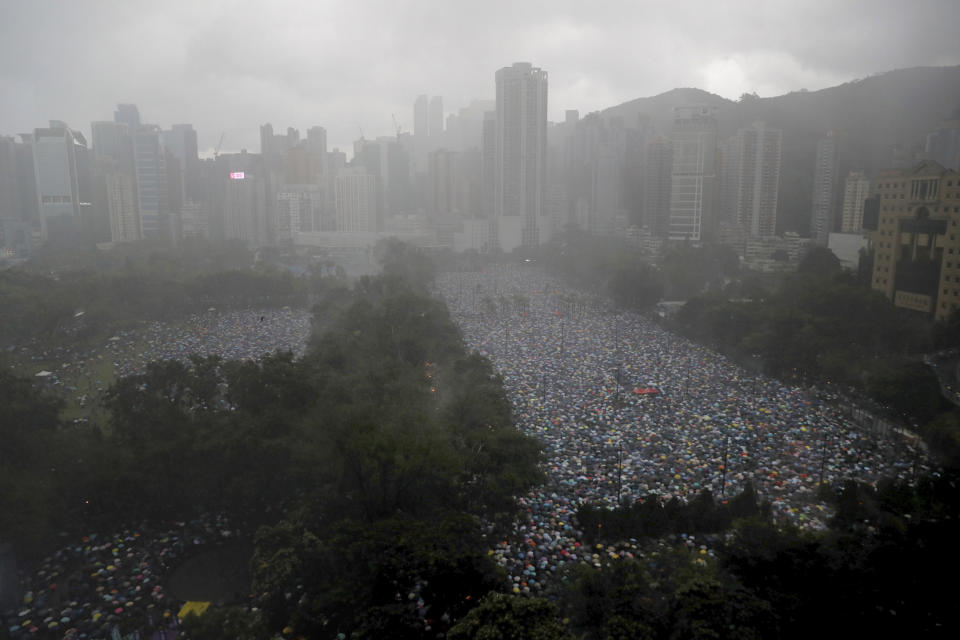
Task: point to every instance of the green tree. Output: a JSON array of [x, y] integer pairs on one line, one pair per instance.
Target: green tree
[[505, 617]]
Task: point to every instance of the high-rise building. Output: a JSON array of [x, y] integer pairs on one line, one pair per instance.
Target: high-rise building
[[317, 149], [129, 115], [916, 248], [113, 149], [61, 174], [693, 178], [356, 200], [825, 176], [9, 194], [435, 120], [150, 162], [758, 179], [14, 230], [488, 166], [300, 208], [658, 166], [520, 178], [244, 213], [122, 207], [855, 193], [181, 142], [421, 117]]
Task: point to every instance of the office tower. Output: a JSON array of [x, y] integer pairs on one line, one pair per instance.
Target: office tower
[[824, 190], [9, 194], [112, 140], [300, 208], [194, 223], [181, 142], [122, 207], [658, 166], [915, 247], [14, 229], [150, 162], [27, 182], [356, 200], [421, 117], [435, 120], [266, 140], [635, 150], [757, 158], [728, 181], [605, 186], [297, 166], [855, 192], [129, 115], [488, 168], [441, 178], [113, 149], [693, 177], [520, 179], [61, 174], [241, 210], [317, 149]]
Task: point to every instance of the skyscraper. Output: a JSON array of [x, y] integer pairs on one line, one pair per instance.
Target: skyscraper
[[317, 150], [656, 188], [856, 191], [758, 179], [435, 119], [14, 231], [129, 115], [824, 186], [356, 200], [520, 179], [181, 141], [151, 169], [693, 178], [421, 118], [60, 170]]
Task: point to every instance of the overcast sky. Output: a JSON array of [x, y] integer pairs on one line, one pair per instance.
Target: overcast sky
[[227, 66]]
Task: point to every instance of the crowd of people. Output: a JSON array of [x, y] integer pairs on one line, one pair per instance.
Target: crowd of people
[[626, 410], [232, 335], [108, 586]]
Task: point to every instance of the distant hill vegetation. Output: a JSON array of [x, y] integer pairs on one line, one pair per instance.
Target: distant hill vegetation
[[880, 120]]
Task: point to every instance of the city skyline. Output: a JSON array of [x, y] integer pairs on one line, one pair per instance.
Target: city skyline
[[228, 67]]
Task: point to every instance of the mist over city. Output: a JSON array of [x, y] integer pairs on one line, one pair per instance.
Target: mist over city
[[435, 320]]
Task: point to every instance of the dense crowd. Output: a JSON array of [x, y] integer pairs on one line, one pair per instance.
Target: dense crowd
[[105, 585], [103, 582], [625, 409], [233, 335]]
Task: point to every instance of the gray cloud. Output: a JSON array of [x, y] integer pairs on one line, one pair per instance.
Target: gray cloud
[[230, 65]]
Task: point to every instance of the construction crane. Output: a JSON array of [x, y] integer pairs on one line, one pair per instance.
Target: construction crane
[[216, 152]]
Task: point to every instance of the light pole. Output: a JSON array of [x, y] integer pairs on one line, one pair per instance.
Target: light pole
[[620, 474]]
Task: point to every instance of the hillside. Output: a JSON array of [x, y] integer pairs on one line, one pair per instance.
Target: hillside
[[877, 119]]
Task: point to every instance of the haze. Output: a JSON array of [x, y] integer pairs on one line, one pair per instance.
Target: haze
[[227, 66]]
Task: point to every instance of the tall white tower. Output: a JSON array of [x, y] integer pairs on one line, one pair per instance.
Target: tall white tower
[[693, 179], [758, 181], [520, 168]]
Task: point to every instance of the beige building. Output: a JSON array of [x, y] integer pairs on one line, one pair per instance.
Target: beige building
[[855, 192], [917, 241]]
